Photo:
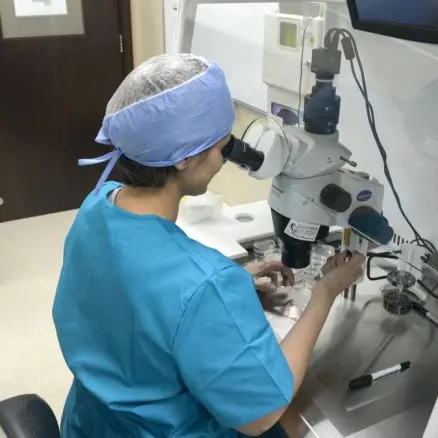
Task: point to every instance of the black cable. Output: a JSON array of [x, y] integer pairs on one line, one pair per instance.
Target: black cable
[[418, 242], [371, 119], [369, 107], [331, 42], [331, 39], [242, 137], [370, 114]]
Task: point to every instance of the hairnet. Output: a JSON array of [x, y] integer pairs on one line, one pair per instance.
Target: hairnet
[[162, 127]]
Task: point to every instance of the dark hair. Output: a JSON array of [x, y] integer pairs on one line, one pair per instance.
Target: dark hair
[[137, 175]]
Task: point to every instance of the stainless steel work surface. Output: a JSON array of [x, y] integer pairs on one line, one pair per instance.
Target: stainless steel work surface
[[359, 338]]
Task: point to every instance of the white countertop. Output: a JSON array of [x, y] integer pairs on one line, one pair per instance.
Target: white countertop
[[432, 427], [226, 232]]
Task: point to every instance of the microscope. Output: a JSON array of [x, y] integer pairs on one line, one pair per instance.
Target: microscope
[[312, 187]]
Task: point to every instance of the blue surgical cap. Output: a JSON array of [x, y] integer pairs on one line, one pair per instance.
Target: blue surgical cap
[[167, 128]]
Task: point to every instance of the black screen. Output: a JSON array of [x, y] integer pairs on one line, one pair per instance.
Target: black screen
[[415, 20], [422, 13]]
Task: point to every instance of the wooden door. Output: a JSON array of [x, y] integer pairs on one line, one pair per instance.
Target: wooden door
[[53, 93]]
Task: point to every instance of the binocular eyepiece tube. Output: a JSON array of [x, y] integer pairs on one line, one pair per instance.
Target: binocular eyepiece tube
[[238, 152]]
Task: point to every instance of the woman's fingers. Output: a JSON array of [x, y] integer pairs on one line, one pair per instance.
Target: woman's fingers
[[270, 301], [272, 267], [288, 276], [335, 261], [265, 286]]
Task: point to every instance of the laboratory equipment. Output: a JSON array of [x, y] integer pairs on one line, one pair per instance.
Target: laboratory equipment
[[319, 257], [300, 295], [274, 254], [288, 41], [185, 24], [415, 262], [311, 189], [396, 301], [263, 249], [412, 20]]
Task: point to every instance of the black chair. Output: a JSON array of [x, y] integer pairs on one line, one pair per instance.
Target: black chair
[[28, 416]]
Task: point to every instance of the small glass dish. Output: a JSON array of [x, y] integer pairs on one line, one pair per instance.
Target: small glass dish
[[299, 295], [323, 250], [261, 248], [274, 254]]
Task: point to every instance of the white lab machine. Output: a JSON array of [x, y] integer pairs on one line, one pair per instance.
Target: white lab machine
[[288, 42]]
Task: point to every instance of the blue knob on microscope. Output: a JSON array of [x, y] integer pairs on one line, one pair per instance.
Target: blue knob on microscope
[[371, 224]]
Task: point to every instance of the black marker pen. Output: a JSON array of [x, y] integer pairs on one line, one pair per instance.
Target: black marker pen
[[424, 312], [368, 379]]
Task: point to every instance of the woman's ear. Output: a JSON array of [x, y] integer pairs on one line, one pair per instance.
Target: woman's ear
[[182, 165]]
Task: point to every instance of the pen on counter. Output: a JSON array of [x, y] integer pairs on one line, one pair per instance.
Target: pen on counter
[[424, 312], [368, 379]]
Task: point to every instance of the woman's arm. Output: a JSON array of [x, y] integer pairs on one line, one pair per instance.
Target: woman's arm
[[298, 345]]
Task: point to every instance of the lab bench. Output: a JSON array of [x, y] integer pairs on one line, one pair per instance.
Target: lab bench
[[361, 337]]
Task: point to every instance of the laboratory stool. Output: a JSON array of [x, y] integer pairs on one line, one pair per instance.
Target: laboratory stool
[[27, 416]]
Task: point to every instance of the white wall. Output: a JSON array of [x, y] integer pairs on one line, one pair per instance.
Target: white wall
[[232, 35]]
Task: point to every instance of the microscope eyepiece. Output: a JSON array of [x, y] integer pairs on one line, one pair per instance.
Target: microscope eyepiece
[[242, 154]]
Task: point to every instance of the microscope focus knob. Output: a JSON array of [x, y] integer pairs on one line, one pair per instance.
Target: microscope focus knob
[[371, 224], [336, 198]]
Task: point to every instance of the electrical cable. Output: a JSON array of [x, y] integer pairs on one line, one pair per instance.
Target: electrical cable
[[418, 242], [242, 137], [300, 91], [331, 41], [371, 119], [388, 175], [257, 119], [300, 86], [352, 52]]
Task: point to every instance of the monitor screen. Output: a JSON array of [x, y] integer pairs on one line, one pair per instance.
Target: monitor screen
[[415, 20]]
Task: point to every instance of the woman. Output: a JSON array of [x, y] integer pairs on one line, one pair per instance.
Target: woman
[[164, 336]]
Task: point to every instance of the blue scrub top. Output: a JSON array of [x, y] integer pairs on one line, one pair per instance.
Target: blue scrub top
[[164, 336]]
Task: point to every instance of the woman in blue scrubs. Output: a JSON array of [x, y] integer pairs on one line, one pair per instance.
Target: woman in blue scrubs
[[166, 337]]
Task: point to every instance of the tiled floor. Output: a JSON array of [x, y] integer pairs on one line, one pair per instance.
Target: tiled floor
[[30, 260]]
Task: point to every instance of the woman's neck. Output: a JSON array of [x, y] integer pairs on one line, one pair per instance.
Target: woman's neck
[[162, 202]]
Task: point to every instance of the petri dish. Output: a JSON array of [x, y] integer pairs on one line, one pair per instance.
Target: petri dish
[[262, 247], [323, 250], [273, 254]]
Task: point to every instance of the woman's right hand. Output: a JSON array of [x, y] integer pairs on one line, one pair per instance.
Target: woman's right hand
[[340, 272]]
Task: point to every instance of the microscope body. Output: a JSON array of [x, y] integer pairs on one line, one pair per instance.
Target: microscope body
[[311, 189], [313, 185]]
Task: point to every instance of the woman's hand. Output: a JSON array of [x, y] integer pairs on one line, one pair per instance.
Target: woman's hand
[[268, 276], [340, 272]]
